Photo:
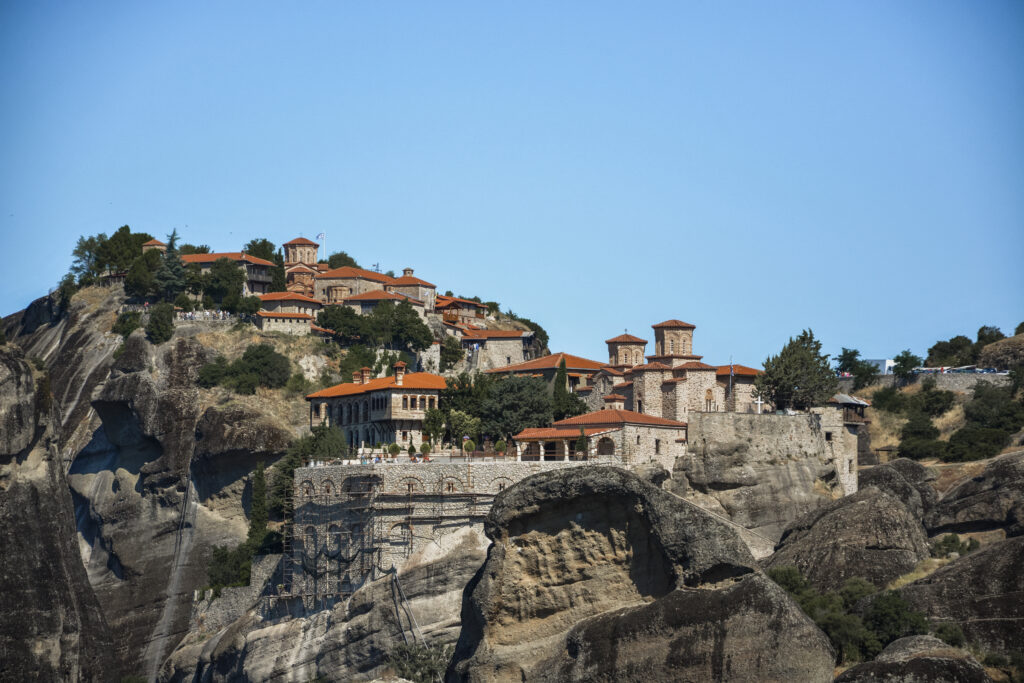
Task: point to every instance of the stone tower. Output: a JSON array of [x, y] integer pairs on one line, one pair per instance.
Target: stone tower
[[626, 350], [673, 342], [300, 250]]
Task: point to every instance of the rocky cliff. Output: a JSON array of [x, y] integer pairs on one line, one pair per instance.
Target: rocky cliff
[[51, 625], [594, 574]]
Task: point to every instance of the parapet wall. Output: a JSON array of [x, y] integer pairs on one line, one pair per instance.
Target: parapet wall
[[950, 381]]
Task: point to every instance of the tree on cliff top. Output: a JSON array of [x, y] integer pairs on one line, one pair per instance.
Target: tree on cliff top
[[798, 377], [340, 259], [564, 403], [170, 276]]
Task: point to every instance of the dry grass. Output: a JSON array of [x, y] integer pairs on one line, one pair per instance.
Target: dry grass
[[923, 569], [884, 428], [950, 421], [953, 472]]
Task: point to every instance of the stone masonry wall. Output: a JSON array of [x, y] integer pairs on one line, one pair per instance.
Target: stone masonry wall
[[950, 381]]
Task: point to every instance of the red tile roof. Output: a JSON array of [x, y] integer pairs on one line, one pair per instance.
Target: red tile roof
[[617, 417], [674, 324], [556, 433], [741, 370], [415, 380], [612, 371], [317, 328], [443, 300], [277, 314], [288, 296], [695, 365], [551, 362], [622, 385], [586, 388], [615, 397], [154, 243], [302, 240], [650, 366], [231, 255], [409, 280], [350, 272], [494, 334], [625, 338], [381, 295], [299, 266]]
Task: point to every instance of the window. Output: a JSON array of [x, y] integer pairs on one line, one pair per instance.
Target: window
[[411, 487], [501, 486], [405, 436], [405, 403], [657, 446], [637, 439], [423, 402], [828, 436], [449, 487], [671, 346]]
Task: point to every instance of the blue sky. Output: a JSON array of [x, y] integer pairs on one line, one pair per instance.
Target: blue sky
[[751, 168]]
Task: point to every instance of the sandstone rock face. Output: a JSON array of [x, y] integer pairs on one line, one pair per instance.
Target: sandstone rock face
[[918, 659], [346, 642], [870, 534], [995, 500], [51, 627], [906, 480], [594, 574], [763, 471], [983, 592]]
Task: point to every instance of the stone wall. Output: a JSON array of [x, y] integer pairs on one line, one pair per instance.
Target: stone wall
[[493, 353], [210, 614], [287, 325], [950, 381]]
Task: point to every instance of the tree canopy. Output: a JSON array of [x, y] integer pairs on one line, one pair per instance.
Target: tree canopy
[[260, 248], [340, 259], [564, 403], [864, 373], [169, 278], [514, 404], [799, 376], [904, 364]]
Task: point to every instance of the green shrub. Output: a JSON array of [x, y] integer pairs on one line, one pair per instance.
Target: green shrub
[[500, 446], [468, 445], [950, 633], [127, 323], [951, 543], [212, 374], [995, 659], [260, 365], [922, 449], [44, 396], [394, 449], [425, 448], [890, 617], [39, 363], [975, 443], [183, 302], [161, 323], [888, 399], [420, 663], [412, 450], [298, 384]]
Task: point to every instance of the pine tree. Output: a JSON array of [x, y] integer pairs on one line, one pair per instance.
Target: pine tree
[[799, 376], [170, 276], [258, 510]]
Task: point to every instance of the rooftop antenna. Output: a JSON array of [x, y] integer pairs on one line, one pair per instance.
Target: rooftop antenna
[[376, 267]]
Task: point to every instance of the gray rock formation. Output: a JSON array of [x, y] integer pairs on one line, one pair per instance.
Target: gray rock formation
[[918, 659], [994, 500], [594, 574], [983, 592], [51, 627], [349, 641], [870, 534], [906, 480], [761, 472]]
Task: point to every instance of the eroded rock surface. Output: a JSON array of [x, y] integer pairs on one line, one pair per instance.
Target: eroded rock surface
[[870, 534], [918, 659], [983, 592], [51, 626], [904, 479], [349, 641], [993, 500], [594, 574]]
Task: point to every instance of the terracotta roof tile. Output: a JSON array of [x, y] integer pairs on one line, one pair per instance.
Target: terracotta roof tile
[[288, 296], [741, 371], [231, 255], [302, 240], [381, 295], [408, 280], [617, 417], [650, 366], [415, 380], [277, 314], [350, 272], [614, 397], [317, 328], [623, 385], [695, 365], [625, 338], [557, 433], [551, 362], [443, 300], [674, 324], [154, 243]]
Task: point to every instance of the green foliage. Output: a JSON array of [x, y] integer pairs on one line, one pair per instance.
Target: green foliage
[[904, 364], [493, 307], [433, 424], [833, 612], [3, 336], [161, 323], [260, 248], [140, 281], [952, 353], [1019, 329], [513, 404], [298, 384], [889, 399], [420, 663], [169, 278], [127, 323], [539, 333], [468, 446], [950, 633], [425, 448], [183, 302], [44, 396], [224, 281], [462, 424], [340, 259], [919, 438], [348, 326], [65, 290], [451, 353], [86, 264], [799, 376], [357, 357], [951, 543], [229, 568], [38, 363], [278, 276], [864, 373], [992, 415], [397, 326], [260, 365], [890, 617], [194, 249], [248, 305], [118, 252], [581, 442], [564, 403], [394, 449], [258, 515], [412, 450], [500, 446]]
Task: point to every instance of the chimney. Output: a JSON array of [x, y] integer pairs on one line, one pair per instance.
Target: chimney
[[365, 372], [399, 372], [406, 272], [357, 377], [614, 402]]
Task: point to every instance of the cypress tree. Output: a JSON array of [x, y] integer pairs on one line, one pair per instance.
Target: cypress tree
[[170, 276], [258, 510]]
